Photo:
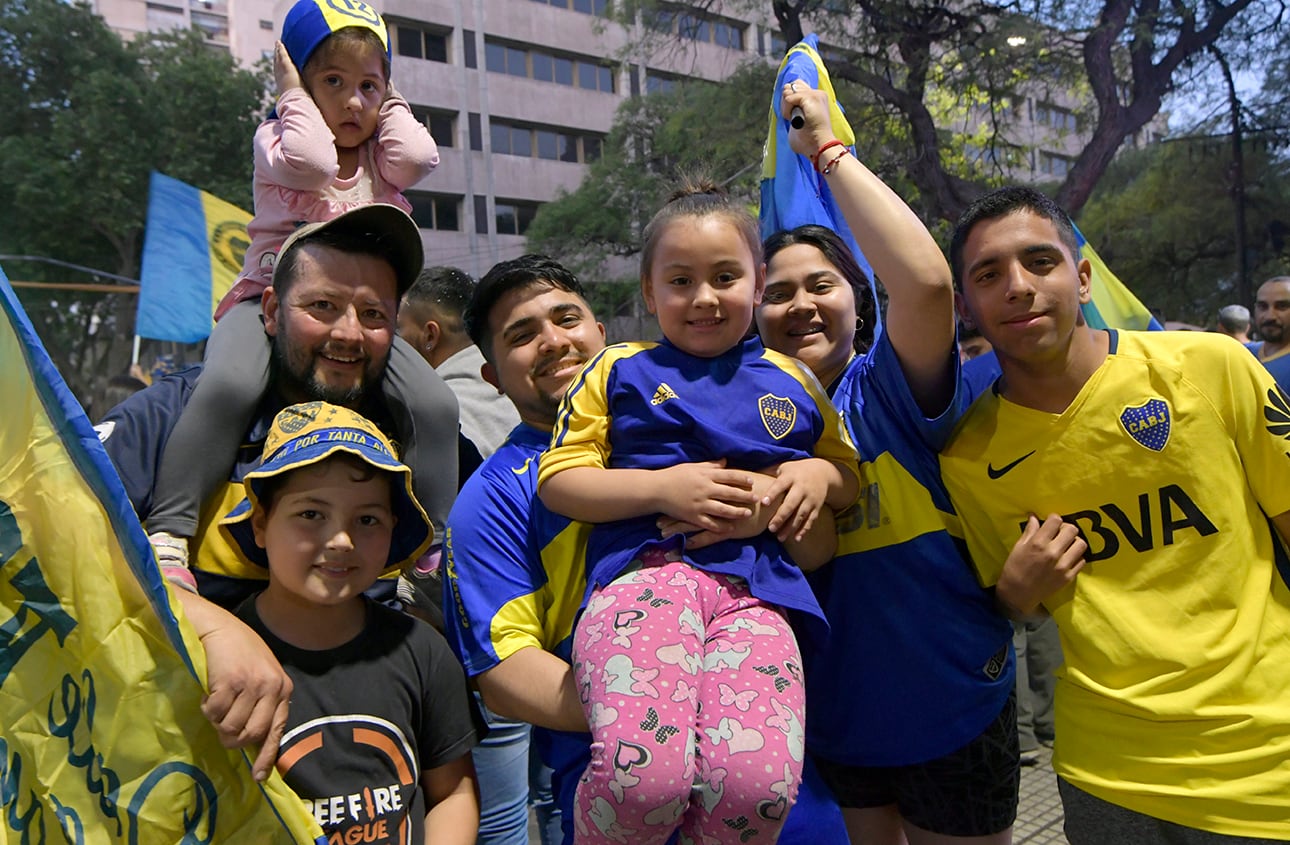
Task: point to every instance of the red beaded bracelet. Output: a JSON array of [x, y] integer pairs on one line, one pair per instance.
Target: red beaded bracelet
[[828, 168], [815, 159]]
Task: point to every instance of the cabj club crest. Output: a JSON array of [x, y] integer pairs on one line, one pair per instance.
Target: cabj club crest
[[778, 414], [1147, 423]]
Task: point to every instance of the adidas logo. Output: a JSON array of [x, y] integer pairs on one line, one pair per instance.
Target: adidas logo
[[662, 394]]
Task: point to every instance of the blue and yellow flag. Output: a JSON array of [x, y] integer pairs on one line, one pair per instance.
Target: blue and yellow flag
[[101, 678], [1113, 305], [192, 255], [792, 193]]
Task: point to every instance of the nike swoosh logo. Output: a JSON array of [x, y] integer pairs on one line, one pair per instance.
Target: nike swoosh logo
[[996, 474], [520, 470]]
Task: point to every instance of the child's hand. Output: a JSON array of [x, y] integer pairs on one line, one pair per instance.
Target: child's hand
[[285, 73], [727, 529], [390, 93], [804, 485], [706, 494], [1047, 557]]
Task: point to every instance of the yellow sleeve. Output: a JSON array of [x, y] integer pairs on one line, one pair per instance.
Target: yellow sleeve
[[834, 443], [1260, 420], [581, 435]]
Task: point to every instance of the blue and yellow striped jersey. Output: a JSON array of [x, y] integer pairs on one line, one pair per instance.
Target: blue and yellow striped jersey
[[651, 406], [1278, 364], [515, 570], [918, 661]]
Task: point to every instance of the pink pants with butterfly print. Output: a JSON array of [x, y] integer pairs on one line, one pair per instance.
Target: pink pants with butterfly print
[[693, 691]]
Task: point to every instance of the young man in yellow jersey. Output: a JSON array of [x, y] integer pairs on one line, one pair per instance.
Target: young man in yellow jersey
[[1161, 459]]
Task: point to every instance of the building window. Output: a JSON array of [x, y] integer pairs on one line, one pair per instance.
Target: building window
[[417, 43], [985, 156], [586, 7], [468, 47], [548, 67], [481, 215], [698, 27], [513, 216], [267, 25], [214, 27], [1052, 164], [442, 125], [435, 211], [475, 125], [550, 143], [164, 17], [660, 83], [1063, 120], [773, 44]]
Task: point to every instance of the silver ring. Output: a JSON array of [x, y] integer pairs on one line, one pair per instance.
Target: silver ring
[[792, 86]]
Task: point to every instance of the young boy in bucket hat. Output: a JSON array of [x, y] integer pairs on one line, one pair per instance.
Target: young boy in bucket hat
[[379, 733]]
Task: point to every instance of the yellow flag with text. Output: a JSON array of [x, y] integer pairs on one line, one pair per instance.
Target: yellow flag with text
[[101, 678]]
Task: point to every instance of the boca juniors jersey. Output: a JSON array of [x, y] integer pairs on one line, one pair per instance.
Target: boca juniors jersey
[[651, 406], [1175, 698]]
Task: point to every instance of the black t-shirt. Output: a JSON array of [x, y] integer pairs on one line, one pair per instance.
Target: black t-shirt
[[367, 719]]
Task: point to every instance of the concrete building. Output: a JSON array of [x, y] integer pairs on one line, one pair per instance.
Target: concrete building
[[520, 94]]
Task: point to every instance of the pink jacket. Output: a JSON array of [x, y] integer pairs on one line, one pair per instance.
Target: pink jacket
[[295, 178]]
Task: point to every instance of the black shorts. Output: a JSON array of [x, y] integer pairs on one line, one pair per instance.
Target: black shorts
[[969, 792]]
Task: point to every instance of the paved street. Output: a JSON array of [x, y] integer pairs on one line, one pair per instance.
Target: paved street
[[1039, 818]]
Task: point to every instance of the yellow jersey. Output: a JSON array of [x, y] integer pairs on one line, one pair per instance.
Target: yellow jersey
[[1175, 697]]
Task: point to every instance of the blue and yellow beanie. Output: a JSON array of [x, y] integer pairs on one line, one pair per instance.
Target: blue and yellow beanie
[[310, 22]]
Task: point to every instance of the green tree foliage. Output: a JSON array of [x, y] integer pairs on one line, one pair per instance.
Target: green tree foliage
[[1163, 220], [698, 130], [947, 69], [88, 117]]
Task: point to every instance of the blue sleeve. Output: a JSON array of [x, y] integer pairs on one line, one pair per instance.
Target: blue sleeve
[[135, 432], [493, 589], [978, 376], [874, 392]]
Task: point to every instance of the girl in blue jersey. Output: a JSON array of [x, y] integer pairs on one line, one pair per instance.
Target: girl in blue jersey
[[688, 671]]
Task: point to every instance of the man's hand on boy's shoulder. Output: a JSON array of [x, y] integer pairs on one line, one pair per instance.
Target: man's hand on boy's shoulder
[[249, 689]]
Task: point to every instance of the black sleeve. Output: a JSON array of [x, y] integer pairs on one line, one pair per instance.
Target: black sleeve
[[447, 728]]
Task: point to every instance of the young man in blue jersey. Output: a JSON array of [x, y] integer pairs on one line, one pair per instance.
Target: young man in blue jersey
[[1167, 453], [508, 621]]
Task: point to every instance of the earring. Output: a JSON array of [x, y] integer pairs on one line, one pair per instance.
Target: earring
[[859, 323]]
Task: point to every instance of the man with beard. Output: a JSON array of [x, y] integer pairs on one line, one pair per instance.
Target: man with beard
[[331, 317], [1272, 316], [511, 592]]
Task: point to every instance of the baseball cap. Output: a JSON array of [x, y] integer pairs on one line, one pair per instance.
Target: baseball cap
[[387, 225], [310, 22], [311, 432]]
